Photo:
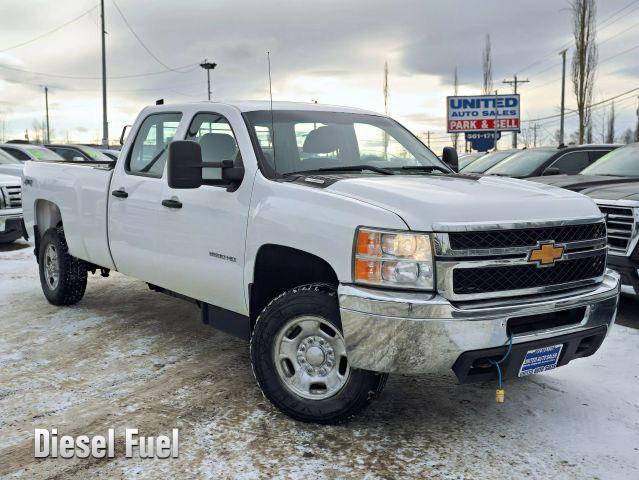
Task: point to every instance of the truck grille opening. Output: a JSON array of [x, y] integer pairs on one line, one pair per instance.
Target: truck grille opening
[[526, 237], [545, 321], [13, 196], [517, 277], [620, 222]]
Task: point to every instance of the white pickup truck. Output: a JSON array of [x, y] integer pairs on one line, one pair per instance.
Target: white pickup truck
[[10, 209], [334, 241]]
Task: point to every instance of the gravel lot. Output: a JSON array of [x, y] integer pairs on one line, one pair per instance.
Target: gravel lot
[[129, 357]]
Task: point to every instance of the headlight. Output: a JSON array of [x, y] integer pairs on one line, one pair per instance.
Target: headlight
[[396, 259]]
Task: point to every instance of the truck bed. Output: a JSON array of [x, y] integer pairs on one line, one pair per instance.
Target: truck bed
[[80, 192]]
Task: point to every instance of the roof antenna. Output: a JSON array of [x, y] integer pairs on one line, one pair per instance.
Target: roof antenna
[[270, 92]]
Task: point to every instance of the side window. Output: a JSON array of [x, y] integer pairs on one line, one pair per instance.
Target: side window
[[572, 163], [150, 148], [216, 138], [596, 155], [65, 153], [20, 155]]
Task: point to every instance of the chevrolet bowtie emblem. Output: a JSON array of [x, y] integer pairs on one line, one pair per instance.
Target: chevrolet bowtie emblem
[[545, 255]]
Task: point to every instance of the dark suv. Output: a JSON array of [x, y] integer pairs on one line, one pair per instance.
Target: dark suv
[[613, 183], [534, 162]]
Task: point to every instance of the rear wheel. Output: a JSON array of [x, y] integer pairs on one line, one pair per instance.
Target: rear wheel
[[62, 276], [299, 358]]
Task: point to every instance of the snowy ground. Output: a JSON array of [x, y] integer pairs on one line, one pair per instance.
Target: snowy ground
[[128, 357]]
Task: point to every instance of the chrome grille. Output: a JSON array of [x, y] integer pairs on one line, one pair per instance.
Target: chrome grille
[[495, 262], [621, 226], [13, 196]]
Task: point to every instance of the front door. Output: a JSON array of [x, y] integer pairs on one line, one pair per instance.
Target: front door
[[203, 248], [135, 200]]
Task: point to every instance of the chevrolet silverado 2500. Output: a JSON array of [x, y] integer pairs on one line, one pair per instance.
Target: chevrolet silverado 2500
[[334, 241]]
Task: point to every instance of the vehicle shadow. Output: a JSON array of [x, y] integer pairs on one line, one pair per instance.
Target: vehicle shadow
[[14, 246], [628, 313]]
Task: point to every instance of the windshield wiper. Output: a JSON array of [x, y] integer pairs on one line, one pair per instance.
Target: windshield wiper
[[353, 168], [425, 168]]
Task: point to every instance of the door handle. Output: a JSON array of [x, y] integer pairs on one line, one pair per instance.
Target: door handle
[[119, 193], [172, 203]]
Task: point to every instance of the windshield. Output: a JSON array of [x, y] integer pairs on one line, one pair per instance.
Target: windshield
[[623, 162], [485, 162], [522, 163], [95, 155], [6, 159], [466, 160], [41, 153], [313, 140]]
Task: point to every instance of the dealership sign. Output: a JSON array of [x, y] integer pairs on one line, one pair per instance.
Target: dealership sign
[[483, 113], [482, 141]]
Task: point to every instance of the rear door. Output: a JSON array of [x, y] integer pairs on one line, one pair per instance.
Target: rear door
[[205, 228], [135, 199]]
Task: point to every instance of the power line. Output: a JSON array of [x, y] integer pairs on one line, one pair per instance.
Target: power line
[[137, 37], [117, 77], [22, 44]]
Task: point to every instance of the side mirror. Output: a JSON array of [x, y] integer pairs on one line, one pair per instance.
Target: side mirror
[[450, 158], [552, 171], [184, 165], [232, 173]]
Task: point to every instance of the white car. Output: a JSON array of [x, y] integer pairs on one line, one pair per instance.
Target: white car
[[10, 165], [337, 243], [10, 209], [26, 151]]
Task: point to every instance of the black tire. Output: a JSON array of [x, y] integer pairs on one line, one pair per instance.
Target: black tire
[[318, 300], [72, 277]]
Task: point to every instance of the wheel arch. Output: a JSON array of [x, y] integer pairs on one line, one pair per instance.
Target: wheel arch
[[279, 268], [47, 215]]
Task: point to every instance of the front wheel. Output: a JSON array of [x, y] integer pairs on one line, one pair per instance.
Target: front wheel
[[299, 358], [62, 276]]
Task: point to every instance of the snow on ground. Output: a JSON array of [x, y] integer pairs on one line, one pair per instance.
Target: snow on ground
[[129, 357]]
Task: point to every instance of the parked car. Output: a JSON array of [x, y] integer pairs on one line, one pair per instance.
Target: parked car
[[27, 151], [112, 154], [10, 209], [613, 182], [10, 165], [534, 162], [343, 251], [79, 153], [468, 158], [487, 161]]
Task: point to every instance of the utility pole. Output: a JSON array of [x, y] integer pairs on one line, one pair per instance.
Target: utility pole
[[636, 130], [514, 82], [535, 135], [46, 103], [428, 138], [496, 118], [208, 66], [105, 126], [563, 95]]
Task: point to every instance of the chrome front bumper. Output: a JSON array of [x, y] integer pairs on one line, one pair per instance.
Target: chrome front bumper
[[404, 332]]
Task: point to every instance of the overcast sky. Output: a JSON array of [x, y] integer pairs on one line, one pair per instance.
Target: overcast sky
[[325, 50]]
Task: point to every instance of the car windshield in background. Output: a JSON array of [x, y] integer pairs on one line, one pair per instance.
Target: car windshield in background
[[623, 162], [42, 153], [6, 159], [466, 160], [314, 140], [95, 155], [486, 161], [522, 163]]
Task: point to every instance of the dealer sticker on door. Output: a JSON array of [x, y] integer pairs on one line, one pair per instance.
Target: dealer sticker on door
[[540, 360]]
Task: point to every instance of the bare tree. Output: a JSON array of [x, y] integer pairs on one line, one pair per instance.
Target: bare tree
[[386, 112], [610, 131], [584, 60], [487, 65], [589, 138], [455, 136], [637, 129], [627, 136]]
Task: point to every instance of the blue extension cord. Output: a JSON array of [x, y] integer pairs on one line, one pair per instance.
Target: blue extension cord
[[497, 363]]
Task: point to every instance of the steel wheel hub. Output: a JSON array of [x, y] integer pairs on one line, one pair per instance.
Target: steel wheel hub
[[51, 267], [310, 358]]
